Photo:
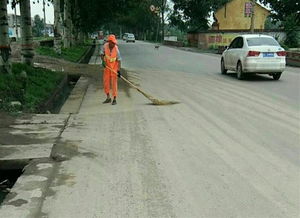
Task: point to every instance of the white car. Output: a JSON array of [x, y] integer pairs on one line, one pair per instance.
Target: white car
[[125, 36], [254, 53], [130, 38]]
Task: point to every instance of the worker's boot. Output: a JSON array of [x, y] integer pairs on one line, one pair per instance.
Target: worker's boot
[[108, 100], [114, 102]]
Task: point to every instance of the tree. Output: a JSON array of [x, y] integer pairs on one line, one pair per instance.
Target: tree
[[5, 64], [57, 26], [281, 10], [67, 24], [38, 26], [271, 24], [26, 33], [194, 14], [288, 13], [292, 29]]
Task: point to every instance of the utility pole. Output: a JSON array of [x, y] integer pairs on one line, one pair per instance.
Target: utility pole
[[44, 10], [252, 16]]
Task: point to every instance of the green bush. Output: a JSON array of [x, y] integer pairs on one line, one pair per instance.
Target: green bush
[[292, 31], [31, 91], [72, 54]]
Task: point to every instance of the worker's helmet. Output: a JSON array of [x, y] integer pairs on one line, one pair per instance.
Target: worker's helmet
[[112, 38]]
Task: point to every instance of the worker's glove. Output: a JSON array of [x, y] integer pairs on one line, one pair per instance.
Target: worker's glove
[[103, 64], [119, 73]]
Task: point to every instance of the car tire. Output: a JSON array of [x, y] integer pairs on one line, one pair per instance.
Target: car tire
[[223, 70], [276, 76], [239, 71]]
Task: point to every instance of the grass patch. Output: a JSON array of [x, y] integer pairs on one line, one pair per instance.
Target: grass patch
[[41, 38], [72, 54], [31, 91]]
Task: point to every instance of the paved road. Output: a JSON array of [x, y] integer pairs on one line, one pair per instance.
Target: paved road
[[230, 149], [143, 56]]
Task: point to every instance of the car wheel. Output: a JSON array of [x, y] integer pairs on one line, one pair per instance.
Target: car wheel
[[276, 76], [239, 71], [223, 70]]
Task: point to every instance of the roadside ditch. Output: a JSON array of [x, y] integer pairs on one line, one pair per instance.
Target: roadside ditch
[[9, 173]]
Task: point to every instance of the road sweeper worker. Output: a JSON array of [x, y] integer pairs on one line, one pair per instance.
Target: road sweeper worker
[[111, 61]]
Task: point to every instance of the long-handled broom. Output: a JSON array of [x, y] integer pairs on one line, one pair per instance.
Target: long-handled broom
[[152, 99]]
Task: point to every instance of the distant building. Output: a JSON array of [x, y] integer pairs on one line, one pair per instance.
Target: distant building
[[49, 30], [233, 19], [12, 19], [236, 15]]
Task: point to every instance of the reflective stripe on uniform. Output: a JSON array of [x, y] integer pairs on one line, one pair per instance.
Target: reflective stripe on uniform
[[110, 59]]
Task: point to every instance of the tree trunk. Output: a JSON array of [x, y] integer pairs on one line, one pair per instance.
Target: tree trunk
[[162, 27], [77, 25], [57, 26], [81, 38], [26, 33], [163, 20], [44, 11], [5, 64], [67, 24], [157, 30]]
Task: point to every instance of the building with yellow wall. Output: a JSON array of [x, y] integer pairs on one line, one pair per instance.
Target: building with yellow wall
[[236, 15], [233, 19]]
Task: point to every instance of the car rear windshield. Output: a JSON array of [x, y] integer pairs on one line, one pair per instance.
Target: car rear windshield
[[261, 41], [130, 35]]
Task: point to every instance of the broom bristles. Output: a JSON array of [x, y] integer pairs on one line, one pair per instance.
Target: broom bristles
[[156, 101], [153, 100]]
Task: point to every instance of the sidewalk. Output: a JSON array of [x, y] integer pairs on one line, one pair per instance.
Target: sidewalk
[[91, 152]]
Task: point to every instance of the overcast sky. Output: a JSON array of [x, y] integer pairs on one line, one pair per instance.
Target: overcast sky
[[37, 8]]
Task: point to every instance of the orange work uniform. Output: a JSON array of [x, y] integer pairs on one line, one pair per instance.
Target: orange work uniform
[[109, 77]]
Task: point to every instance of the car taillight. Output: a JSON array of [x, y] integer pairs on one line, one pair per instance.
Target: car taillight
[[281, 53], [253, 53]]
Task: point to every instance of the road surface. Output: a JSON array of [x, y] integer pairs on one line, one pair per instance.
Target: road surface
[[229, 149]]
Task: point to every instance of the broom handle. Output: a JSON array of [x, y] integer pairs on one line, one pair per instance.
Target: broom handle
[[123, 78]]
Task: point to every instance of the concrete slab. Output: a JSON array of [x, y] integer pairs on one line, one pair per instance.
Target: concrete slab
[[27, 195], [23, 152], [43, 119], [27, 128]]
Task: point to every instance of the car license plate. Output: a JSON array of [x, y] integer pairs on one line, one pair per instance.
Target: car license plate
[[268, 54]]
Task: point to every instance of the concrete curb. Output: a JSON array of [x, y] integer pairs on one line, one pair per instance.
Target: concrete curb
[[74, 101], [87, 55], [28, 193]]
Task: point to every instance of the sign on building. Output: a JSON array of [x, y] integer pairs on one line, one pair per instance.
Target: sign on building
[[248, 9]]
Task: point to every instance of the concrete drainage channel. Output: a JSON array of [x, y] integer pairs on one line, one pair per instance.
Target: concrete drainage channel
[[26, 168], [60, 95], [7, 180], [10, 171]]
